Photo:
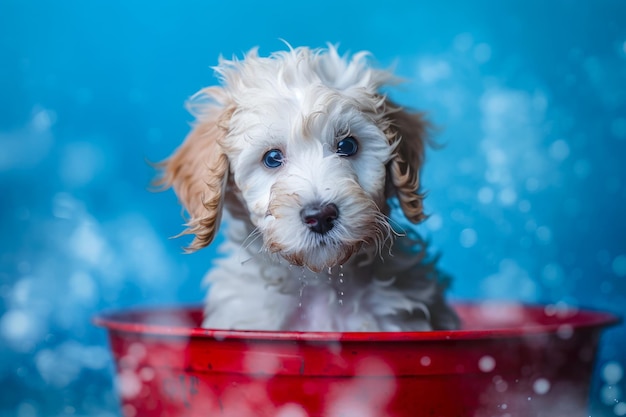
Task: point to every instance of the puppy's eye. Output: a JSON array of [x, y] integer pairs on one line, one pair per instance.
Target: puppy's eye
[[347, 146], [273, 158]]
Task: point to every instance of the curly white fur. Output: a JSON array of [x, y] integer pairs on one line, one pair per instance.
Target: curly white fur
[[281, 273]]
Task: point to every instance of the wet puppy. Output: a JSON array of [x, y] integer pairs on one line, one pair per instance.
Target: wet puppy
[[307, 160]]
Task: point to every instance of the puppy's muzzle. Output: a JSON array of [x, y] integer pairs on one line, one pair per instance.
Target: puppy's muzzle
[[320, 218]]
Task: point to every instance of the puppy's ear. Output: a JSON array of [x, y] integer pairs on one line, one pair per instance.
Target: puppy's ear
[[198, 169], [408, 133]]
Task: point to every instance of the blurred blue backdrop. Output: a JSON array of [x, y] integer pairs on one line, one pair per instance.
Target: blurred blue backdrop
[[528, 197]]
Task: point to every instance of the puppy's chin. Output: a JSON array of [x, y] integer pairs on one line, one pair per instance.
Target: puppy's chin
[[320, 258]]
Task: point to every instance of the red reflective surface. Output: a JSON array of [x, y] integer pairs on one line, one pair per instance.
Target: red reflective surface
[[508, 360]]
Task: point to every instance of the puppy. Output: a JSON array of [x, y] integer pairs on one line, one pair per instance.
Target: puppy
[[307, 159]]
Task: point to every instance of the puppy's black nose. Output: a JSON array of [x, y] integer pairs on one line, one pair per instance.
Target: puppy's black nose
[[320, 218]]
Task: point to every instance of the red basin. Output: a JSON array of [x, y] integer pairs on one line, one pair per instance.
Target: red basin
[[509, 360]]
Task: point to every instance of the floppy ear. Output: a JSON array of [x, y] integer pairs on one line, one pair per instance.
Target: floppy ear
[[198, 170], [408, 133]]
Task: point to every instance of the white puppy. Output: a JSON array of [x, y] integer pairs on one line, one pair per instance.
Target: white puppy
[[307, 156]]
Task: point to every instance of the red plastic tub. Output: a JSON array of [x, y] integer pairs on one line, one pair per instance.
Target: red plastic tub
[[509, 360]]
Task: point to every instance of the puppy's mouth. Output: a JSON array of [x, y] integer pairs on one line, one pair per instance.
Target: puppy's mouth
[[326, 255], [321, 233]]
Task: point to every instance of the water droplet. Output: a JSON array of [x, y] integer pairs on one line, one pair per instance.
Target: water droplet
[[27, 409], [496, 156], [433, 70], [147, 373], [524, 206], [129, 384], [434, 222], [482, 53], [565, 331], [19, 326], [619, 266], [486, 363], [532, 185], [463, 42], [468, 238], [610, 394], [485, 195], [507, 196], [340, 284], [612, 373], [425, 361], [525, 242], [303, 284], [606, 287], [541, 386], [43, 119], [552, 275], [500, 384], [559, 150], [620, 409], [544, 234]]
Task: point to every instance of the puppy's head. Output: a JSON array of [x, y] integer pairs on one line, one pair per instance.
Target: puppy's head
[[308, 147]]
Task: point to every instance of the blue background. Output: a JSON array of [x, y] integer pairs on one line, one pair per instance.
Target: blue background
[[528, 196]]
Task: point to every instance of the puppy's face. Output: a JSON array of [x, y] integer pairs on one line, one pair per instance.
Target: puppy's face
[[311, 149], [310, 164]]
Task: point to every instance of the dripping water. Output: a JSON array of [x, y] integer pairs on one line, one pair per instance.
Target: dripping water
[[340, 292], [336, 282], [303, 283], [302, 278]]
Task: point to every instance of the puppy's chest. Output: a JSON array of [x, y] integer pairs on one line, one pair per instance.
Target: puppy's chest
[[332, 303]]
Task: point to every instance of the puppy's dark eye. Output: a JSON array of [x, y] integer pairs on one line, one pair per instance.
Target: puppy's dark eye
[[273, 158], [347, 146]]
